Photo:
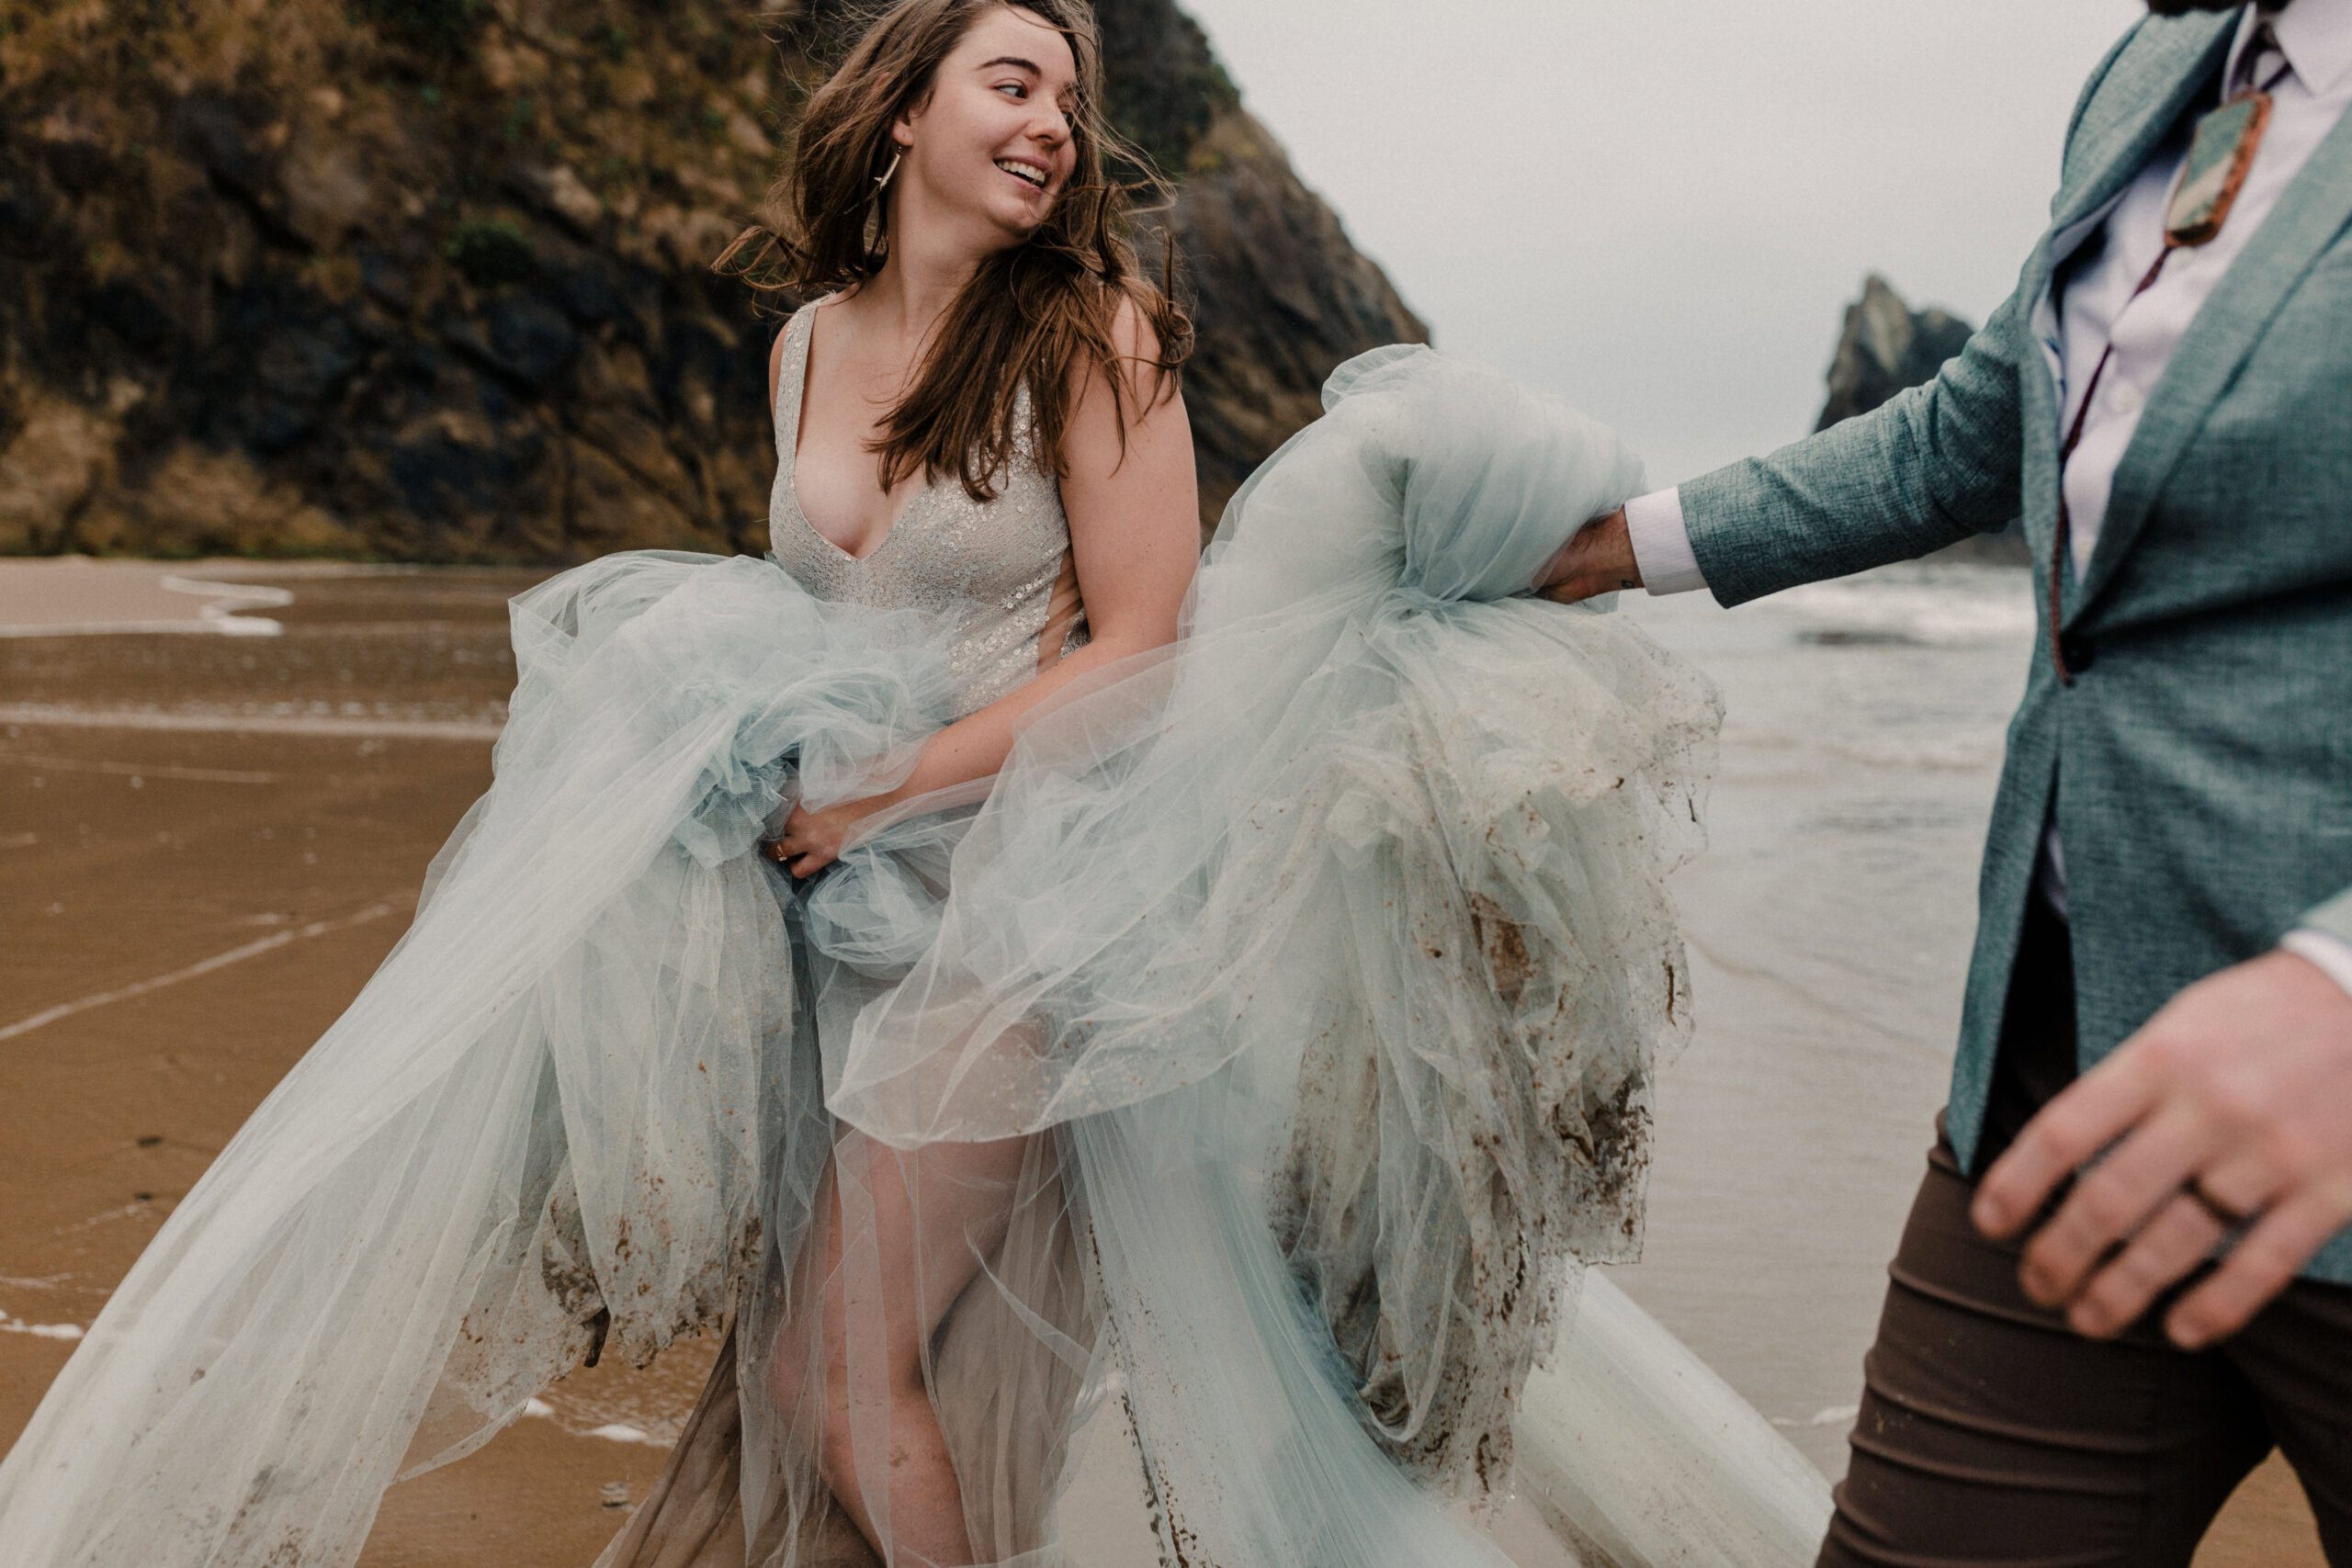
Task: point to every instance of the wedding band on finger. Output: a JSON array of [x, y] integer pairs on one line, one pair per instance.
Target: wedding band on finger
[[2231, 1222]]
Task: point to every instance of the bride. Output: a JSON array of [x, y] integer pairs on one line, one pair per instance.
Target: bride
[[992, 977]]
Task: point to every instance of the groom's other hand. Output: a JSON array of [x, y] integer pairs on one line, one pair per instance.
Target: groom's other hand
[[1598, 558], [2228, 1117]]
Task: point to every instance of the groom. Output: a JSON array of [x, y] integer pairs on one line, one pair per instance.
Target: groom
[[2127, 1275]]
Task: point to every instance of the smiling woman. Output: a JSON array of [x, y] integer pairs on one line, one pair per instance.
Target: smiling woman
[[1227, 1000], [899, 143]]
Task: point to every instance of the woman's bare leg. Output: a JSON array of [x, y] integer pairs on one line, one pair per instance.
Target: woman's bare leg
[[904, 1233]]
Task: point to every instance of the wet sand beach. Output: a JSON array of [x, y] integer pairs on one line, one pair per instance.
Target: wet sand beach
[[208, 839], [205, 898]]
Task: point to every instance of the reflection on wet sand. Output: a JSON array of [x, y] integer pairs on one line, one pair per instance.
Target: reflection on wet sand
[[207, 843]]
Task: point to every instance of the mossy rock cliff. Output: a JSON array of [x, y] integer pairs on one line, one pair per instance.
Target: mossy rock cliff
[[428, 280]]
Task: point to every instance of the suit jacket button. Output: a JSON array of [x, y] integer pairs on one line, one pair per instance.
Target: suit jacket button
[[2080, 653]]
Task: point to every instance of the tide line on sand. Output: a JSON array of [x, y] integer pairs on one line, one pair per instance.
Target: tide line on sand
[[611, 1431], [133, 769], [202, 966], [39, 1330], [60, 715], [221, 614]]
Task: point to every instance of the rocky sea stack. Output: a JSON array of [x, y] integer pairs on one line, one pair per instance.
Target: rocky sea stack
[[429, 280], [1885, 347]]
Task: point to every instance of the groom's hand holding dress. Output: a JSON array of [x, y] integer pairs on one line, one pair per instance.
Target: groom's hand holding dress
[[1598, 558], [2159, 1009]]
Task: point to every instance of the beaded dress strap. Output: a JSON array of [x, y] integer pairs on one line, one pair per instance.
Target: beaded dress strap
[[791, 380]]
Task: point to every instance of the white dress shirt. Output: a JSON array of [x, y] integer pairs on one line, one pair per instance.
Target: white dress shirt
[[2315, 38]]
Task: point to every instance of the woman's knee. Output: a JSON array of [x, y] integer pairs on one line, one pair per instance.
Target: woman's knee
[[790, 1377], [809, 1360]]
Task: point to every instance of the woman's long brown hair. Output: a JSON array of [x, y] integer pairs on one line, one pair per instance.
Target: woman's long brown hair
[[1030, 315]]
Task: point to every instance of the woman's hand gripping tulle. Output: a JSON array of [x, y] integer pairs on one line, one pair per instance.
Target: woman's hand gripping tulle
[[811, 840]]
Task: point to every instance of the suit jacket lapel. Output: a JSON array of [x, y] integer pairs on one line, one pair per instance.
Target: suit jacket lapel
[[2151, 83], [2175, 68], [2312, 212], [2182, 61]]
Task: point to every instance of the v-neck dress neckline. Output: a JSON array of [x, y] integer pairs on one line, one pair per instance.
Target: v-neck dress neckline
[[997, 575], [788, 451]]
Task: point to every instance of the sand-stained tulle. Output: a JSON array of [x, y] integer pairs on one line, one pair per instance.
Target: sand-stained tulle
[[1317, 962]]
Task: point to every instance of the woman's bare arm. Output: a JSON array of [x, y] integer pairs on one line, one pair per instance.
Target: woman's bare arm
[[1134, 539]]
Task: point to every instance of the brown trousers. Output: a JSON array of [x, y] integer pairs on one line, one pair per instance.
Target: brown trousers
[[1990, 1433]]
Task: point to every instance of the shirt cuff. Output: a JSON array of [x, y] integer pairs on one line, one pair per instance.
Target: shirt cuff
[[1662, 544], [2330, 952]]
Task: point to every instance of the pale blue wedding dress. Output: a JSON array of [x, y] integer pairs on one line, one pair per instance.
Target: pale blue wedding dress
[[1323, 958]]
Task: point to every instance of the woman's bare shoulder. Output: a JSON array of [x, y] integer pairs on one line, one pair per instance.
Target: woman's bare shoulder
[[783, 331], [1131, 336]]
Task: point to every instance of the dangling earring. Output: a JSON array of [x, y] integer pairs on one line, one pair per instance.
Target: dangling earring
[[877, 209]]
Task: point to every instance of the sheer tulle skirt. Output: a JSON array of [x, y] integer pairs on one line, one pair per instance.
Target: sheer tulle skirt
[[1267, 1053]]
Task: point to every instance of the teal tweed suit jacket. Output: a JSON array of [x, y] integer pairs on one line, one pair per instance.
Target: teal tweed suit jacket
[[2200, 767]]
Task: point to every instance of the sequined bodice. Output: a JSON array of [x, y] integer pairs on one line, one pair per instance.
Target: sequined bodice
[[990, 567]]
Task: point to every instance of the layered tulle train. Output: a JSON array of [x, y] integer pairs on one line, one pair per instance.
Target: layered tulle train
[[1266, 1054]]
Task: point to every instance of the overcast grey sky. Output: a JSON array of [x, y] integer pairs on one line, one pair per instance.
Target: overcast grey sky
[[1660, 211]]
